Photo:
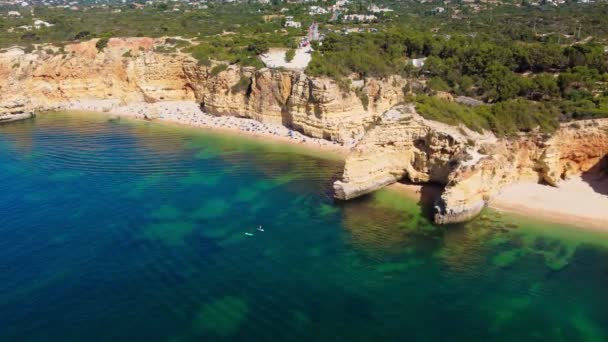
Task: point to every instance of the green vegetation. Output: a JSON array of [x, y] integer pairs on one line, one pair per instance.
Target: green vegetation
[[241, 86], [217, 69], [165, 49], [220, 24], [289, 55], [177, 43], [505, 118], [238, 49], [101, 44], [362, 95]]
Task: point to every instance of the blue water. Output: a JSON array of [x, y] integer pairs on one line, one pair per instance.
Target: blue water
[[115, 230]]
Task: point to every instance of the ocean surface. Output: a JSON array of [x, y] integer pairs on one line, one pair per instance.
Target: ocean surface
[[118, 230]]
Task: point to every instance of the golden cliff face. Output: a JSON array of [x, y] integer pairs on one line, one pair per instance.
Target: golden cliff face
[[401, 144], [128, 70], [315, 106], [472, 167], [43, 80]]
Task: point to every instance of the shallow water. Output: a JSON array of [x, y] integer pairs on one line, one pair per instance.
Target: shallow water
[[122, 230]]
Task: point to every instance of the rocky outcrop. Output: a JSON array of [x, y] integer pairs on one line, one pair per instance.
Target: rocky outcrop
[[472, 167], [129, 71], [401, 144]]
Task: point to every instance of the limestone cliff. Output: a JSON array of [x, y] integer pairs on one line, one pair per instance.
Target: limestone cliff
[[129, 70], [472, 167], [401, 144]]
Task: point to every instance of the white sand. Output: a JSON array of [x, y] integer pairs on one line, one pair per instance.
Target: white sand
[[275, 58], [575, 202]]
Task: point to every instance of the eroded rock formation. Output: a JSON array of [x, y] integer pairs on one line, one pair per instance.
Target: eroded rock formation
[[472, 167]]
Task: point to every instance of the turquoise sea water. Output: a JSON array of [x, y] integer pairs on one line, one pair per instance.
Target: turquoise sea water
[[113, 230]]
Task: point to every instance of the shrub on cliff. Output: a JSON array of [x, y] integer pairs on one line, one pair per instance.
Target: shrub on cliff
[[362, 95], [452, 113], [102, 44], [519, 115], [242, 85], [217, 69], [504, 118], [289, 55]]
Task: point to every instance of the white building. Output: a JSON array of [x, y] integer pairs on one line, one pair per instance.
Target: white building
[[376, 9], [294, 24], [360, 17], [417, 62], [314, 10], [39, 24]]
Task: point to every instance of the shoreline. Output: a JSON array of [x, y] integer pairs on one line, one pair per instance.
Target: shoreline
[[577, 202], [562, 205], [188, 114]]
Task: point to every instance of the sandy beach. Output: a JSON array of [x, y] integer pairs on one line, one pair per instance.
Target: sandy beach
[[188, 113], [578, 201]]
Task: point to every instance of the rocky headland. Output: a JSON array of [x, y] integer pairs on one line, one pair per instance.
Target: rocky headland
[[471, 167], [390, 141]]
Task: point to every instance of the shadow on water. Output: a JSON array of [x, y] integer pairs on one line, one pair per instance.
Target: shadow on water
[[597, 176], [429, 194]]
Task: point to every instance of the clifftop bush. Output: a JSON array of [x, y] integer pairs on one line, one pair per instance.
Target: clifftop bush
[[504, 118], [102, 44]]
